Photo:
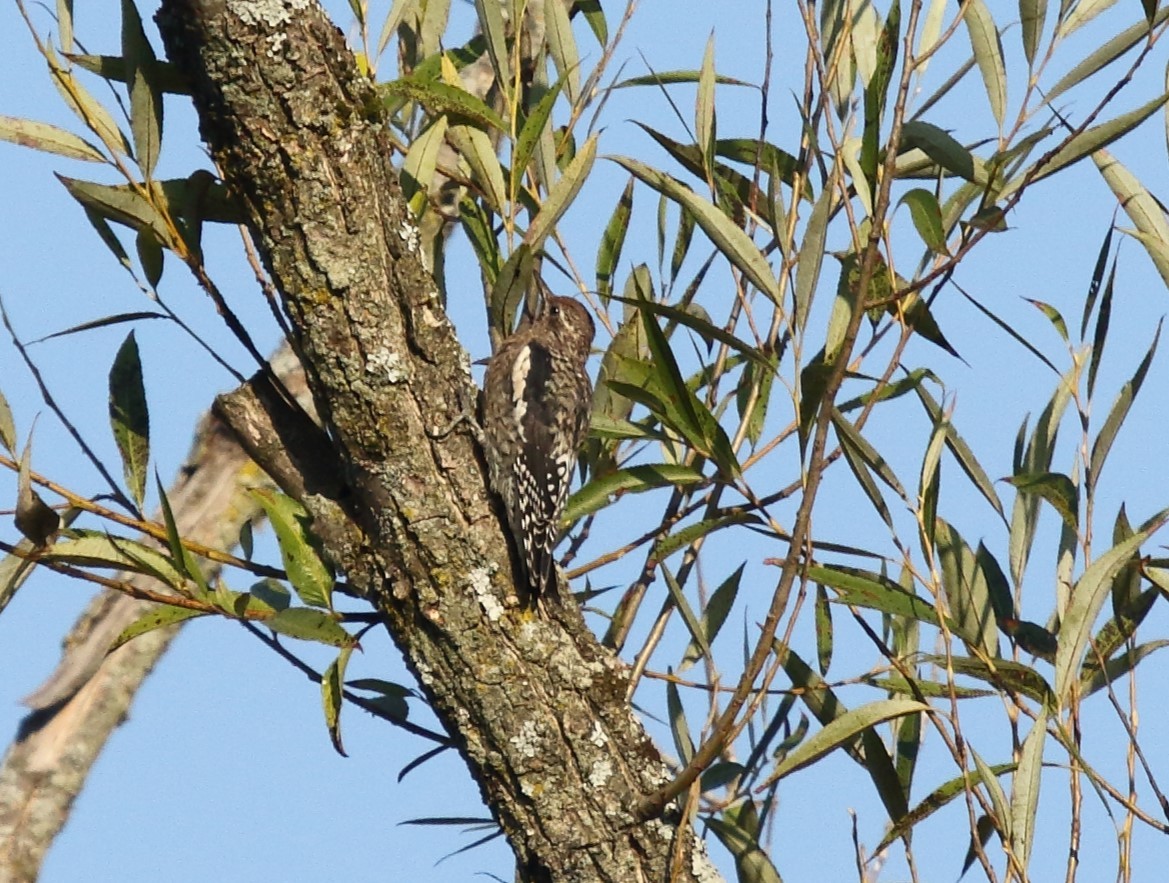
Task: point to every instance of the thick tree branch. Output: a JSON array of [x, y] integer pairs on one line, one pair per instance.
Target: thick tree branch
[[87, 697], [536, 706]]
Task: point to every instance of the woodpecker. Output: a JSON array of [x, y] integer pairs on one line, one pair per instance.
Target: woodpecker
[[536, 402]]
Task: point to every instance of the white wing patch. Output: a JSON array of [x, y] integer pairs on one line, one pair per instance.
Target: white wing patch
[[519, 382]]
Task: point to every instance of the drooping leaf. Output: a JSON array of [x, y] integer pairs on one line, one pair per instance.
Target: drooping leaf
[[562, 49], [145, 95], [48, 138], [683, 744], [935, 800], [307, 624], [310, 576], [752, 864], [634, 479], [841, 730], [332, 696], [562, 193], [475, 146], [130, 417], [943, 148], [988, 53], [7, 426], [439, 98], [1025, 793], [735, 245], [1087, 598], [1117, 414], [529, 136], [927, 218], [713, 617], [157, 617], [1054, 487], [1152, 229]]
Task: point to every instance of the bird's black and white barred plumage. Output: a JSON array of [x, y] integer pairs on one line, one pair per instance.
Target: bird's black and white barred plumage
[[536, 401]]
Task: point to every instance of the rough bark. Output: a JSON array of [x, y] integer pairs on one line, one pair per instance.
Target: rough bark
[[536, 706]]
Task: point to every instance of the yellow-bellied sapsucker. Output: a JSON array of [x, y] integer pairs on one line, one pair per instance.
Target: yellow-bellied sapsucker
[[536, 402]]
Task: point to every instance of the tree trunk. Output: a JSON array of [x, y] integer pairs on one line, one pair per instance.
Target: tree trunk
[[535, 705]]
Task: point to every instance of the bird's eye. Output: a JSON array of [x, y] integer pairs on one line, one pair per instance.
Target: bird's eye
[[555, 310]]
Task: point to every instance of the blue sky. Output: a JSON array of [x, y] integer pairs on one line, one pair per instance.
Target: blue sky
[[224, 769]]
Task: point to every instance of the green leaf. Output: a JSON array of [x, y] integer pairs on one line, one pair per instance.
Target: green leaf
[[418, 167], [683, 744], [811, 257], [145, 95], [1003, 674], [844, 729], [677, 405], [877, 86], [476, 147], [704, 122], [823, 630], [1054, 487], [491, 22], [678, 598], [129, 417], [511, 286], [962, 452], [1094, 679], [1030, 637], [1117, 414], [310, 576], [48, 138], [157, 617], [1035, 458], [612, 241], [752, 864], [310, 625], [998, 797], [867, 749], [706, 329], [927, 218], [860, 588], [272, 593], [848, 434], [439, 98], [561, 195], [943, 148], [595, 16], [93, 549], [333, 696], [122, 204], [635, 479], [562, 48], [7, 426], [988, 53], [937, 799], [1142, 208], [679, 539], [1103, 56], [88, 109], [169, 77], [529, 136], [1031, 15], [734, 244], [967, 594], [1087, 597], [713, 617], [1025, 793], [1088, 142]]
